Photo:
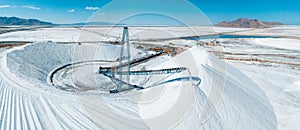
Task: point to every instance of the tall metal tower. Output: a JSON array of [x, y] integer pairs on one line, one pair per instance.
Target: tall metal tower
[[123, 57]]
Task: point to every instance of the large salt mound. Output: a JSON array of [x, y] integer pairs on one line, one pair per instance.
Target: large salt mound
[[226, 99]]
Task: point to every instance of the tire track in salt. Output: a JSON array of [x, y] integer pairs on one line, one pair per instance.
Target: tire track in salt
[[90, 120], [34, 114], [3, 103], [28, 115], [12, 111], [6, 117], [46, 116], [17, 117], [59, 116], [23, 115], [72, 118]]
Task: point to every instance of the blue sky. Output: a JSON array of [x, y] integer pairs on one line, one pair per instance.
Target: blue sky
[[74, 11]]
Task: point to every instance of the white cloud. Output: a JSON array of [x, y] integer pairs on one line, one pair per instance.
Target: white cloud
[[91, 8], [5, 6], [71, 11], [31, 7]]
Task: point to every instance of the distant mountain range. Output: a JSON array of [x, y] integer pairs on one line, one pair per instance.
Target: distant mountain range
[[247, 23], [239, 23], [19, 21]]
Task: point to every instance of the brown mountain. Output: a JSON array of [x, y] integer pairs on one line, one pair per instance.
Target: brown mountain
[[247, 23]]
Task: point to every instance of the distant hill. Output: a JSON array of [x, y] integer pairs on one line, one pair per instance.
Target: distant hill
[[19, 21], [247, 23]]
